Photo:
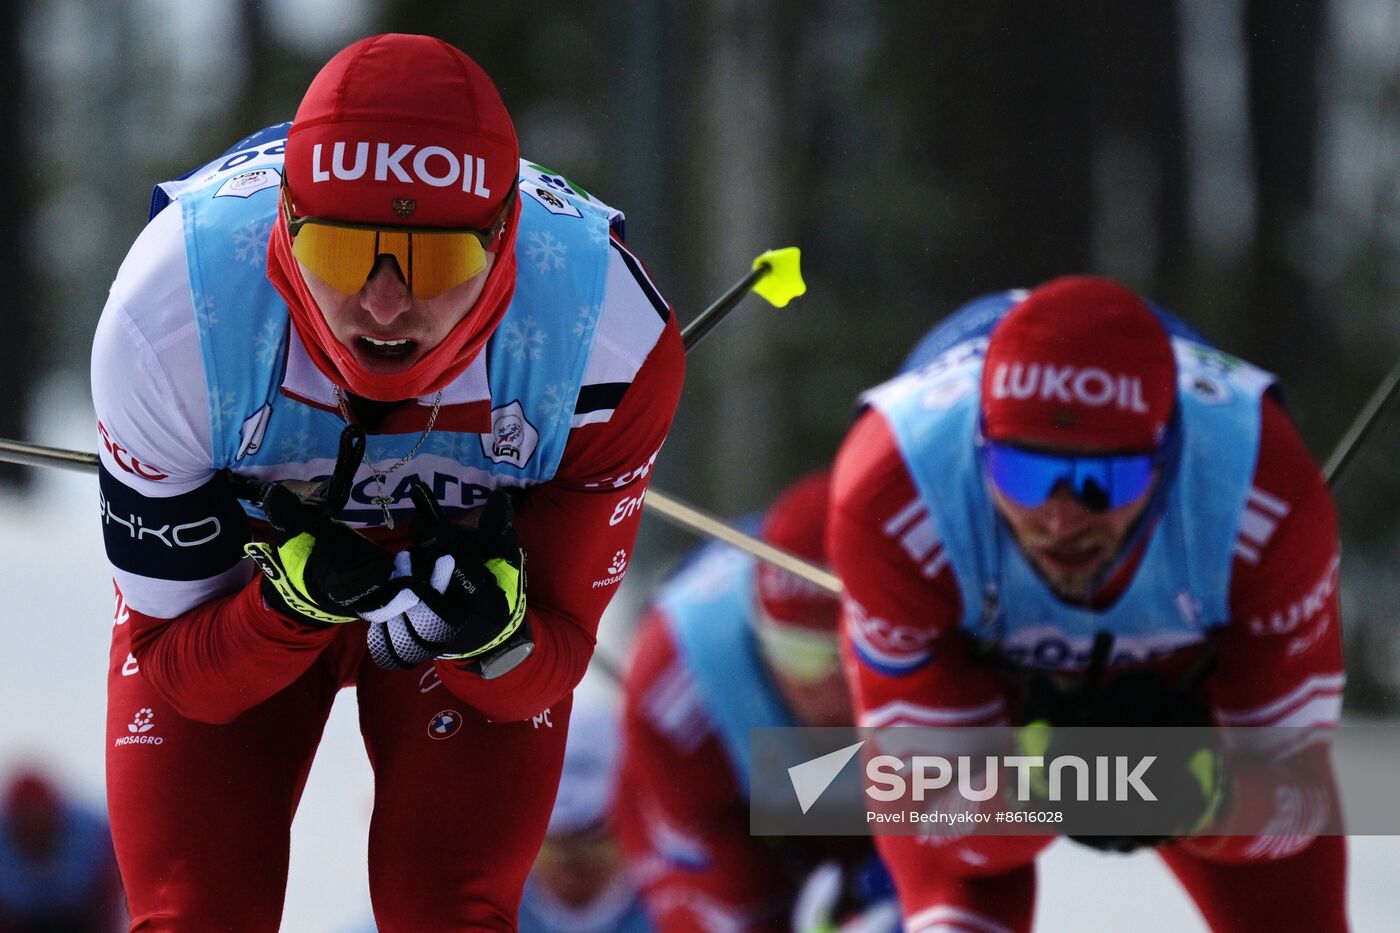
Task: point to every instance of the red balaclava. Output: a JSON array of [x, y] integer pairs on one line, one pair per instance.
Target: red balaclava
[[796, 522], [1081, 363], [375, 98]]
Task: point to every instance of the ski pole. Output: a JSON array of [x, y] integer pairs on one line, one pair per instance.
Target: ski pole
[[692, 519], [35, 455], [1360, 427], [776, 276]]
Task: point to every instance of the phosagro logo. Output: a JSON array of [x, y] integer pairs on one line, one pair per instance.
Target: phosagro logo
[[616, 569], [141, 723]]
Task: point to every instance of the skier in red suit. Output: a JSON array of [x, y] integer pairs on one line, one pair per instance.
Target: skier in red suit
[[1069, 462], [386, 262], [731, 644]]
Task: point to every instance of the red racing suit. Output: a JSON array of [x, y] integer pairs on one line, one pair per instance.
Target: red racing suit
[[683, 819], [216, 701], [1279, 663]]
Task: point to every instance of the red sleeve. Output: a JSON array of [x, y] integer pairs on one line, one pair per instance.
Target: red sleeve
[[577, 531], [1280, 658], [908, 663], [226, 655], [685, 827]]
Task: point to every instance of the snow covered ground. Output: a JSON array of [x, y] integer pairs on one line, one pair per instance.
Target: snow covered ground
[[57, 603]]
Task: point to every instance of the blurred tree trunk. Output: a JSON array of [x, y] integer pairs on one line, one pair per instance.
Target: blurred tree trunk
[[21, 295], [1042, 194], [737, 205], [1283, 42], [254, 96], [507, 40], [1142, 153], [1006, 129], [1164, 127]]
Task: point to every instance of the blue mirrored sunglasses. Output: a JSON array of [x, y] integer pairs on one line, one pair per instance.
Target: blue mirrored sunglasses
[[1100, 483]]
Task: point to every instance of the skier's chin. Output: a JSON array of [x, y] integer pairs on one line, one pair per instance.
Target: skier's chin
[[1070, 576]]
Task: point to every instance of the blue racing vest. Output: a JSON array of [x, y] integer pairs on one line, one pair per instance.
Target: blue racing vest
[[1180, 589], [535, 359], [709, 608]]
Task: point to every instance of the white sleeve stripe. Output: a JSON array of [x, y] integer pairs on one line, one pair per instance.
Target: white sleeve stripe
[[1257, 527], [1267, 502], [169, 599], [920, 540], [600, 416], [648, 287], [1319, 711], [674, 707], [901, 712], [1328, 686], [904, 516], [1246, 553], [946, 918]]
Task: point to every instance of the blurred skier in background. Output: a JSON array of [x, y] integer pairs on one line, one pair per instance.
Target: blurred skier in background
[[57, 870], [580, 882], [1070, 511], [731, 644]]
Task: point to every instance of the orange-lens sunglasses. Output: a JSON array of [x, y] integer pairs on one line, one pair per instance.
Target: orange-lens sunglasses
[[432, 259]]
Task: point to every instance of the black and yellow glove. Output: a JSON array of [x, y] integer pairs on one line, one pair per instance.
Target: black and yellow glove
[[325, 575], [462, 593], [1188, 775], [323, 571]]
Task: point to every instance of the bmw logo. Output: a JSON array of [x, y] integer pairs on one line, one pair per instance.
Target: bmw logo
[[445, 724]]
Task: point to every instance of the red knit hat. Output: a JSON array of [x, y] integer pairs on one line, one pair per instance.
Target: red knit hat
[[1081, 363], [395, 120], [796, 522], [401, 131]]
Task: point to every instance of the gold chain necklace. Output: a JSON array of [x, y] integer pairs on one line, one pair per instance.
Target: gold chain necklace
[[384, 500]]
